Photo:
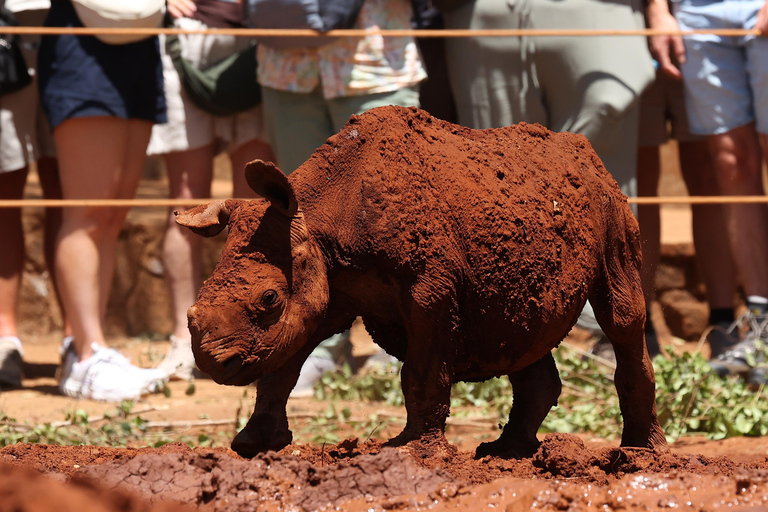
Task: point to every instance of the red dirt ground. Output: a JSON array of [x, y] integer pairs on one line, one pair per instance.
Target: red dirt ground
[[565, 474]]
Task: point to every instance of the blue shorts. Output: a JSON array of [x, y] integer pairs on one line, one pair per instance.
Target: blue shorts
[[726, 78], [79, 76]]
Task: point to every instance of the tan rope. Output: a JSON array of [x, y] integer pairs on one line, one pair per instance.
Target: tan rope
[[253, 32], [139, 203]]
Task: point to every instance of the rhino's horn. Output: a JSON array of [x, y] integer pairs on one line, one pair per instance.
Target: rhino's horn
[[207, 219], [269, 182]]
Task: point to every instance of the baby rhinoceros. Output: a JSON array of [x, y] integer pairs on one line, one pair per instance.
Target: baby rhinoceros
[[469, 254]]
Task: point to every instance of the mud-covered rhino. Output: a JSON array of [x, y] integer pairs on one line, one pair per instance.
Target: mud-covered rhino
[[468, 253]]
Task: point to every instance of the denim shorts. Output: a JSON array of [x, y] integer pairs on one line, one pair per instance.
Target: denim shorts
[[726, 78], [80, 76]]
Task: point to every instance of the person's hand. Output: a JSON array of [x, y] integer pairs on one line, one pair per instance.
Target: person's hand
[[664, 48], [762, 19], [181, 8]]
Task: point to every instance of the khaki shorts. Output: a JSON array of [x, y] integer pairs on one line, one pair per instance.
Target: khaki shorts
[[663, 113], [25, 134], [188, 126]]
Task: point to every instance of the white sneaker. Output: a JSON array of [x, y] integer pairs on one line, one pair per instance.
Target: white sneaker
[[10, 362], [311, 371], [179, 362], [108, 376]]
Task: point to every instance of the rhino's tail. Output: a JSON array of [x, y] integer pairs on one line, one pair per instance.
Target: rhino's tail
[[619, 306]]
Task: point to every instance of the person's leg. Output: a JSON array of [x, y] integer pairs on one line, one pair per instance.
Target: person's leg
[[189, 176], [297, 125], [714, 258], [341, 109], [99, 158], [12, 255], [11, 267], [592, 86], [648, 172], [48, 172], [251, 150], [493, 78], [737, 157]]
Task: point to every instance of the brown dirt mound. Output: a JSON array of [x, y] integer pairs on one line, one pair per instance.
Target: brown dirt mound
[[229, 484], [563, 475], [23, 490]]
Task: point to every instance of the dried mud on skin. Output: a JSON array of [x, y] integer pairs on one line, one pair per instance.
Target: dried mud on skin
[[563, 475]]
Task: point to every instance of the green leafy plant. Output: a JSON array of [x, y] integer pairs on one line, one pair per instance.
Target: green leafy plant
[[690, 397], [120, 427]]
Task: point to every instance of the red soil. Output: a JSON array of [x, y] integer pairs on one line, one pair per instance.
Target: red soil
[[564, 474]]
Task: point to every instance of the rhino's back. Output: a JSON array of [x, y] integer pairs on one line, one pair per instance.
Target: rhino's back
[[516, 213]]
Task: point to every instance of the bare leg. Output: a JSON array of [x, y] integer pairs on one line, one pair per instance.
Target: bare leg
[[648, 172], [738, 159], [12, 253], [710, 230], [48, 172], [247, 152], [536, 390], [99, 158], [189, 176]]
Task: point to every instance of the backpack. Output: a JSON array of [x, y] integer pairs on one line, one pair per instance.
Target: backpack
[[13, 70], [226, 88], [321, 15]]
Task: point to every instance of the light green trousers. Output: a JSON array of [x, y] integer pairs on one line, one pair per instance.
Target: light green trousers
[[587, 85], [297, 124]]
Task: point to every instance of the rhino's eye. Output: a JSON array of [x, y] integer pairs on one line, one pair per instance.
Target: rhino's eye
[[269, 298]]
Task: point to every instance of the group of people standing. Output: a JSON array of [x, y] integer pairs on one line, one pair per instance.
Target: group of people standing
[[99, 108]]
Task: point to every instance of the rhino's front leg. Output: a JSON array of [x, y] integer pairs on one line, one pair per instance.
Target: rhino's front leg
[[267, 429]]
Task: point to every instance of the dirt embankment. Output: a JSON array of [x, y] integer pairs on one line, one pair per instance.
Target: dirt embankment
[[563, 475]]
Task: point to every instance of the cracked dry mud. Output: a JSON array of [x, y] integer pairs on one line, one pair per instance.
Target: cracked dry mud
[[564, 474]]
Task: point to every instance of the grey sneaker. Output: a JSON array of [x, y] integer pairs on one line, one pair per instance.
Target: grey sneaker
[[311, 371], [179, 361], [602, 352], [742, 357], [720, 340], [10, 362]]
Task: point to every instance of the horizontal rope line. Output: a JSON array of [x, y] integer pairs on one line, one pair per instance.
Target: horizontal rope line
[[254, 32], [144, 203]]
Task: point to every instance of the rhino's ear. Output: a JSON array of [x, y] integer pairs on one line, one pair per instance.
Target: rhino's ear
[[207, 219], [269, 182]]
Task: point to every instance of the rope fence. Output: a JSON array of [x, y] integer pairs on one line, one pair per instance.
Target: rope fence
[[156, 203], [420, 33], [262, 32]]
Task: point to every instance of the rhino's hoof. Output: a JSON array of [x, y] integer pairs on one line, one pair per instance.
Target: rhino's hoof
[[249, 443]]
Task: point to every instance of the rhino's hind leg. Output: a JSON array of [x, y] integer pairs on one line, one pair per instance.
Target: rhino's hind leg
[[620, 310], [536, 390], [635, 384]]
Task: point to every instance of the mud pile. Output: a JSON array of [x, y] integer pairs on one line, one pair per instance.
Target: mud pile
[[563, 475], [230, 484], [24, 490]]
